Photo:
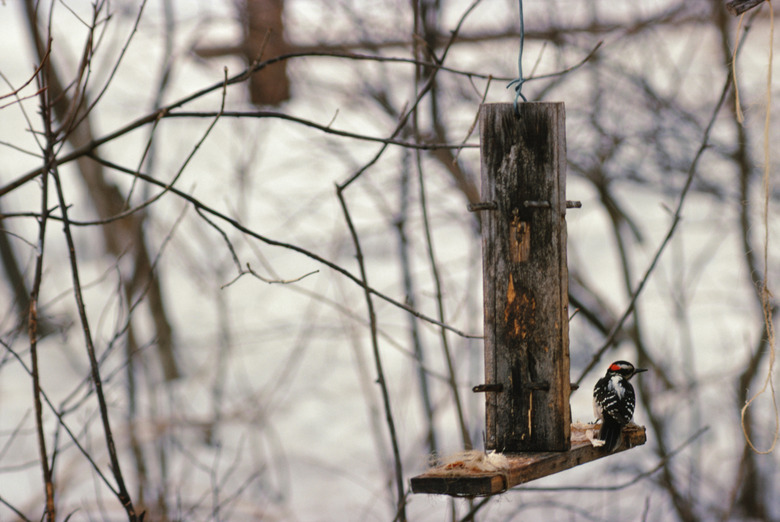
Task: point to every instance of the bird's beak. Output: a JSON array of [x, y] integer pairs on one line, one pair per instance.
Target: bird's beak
[[640, 370]]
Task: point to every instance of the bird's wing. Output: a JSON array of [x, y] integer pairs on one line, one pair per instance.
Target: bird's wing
[[622, 410]]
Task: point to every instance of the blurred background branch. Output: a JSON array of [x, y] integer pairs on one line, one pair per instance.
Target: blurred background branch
[[230, 398]]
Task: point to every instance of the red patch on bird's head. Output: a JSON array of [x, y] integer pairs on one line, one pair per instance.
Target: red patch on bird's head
[[614, 367]]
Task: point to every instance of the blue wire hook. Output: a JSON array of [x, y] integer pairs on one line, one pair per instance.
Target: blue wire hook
[[518, 83]]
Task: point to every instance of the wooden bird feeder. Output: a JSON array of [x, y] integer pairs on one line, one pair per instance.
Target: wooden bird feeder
[[525, 280]]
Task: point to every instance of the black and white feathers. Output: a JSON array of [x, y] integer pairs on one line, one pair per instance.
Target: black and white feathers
[[614, 401]]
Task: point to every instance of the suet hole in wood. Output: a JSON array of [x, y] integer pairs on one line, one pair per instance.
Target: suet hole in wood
[[526, 323]]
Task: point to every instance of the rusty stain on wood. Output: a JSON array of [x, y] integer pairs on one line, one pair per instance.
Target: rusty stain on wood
[[525, 276], [520, 311], [520, 240]]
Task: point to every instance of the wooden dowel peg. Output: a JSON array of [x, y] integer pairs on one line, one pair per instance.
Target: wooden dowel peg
[[482, 205], [525, 277], [528, 430], [482, 388]]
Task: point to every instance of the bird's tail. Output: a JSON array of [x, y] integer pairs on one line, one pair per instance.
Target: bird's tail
[[610, 433]]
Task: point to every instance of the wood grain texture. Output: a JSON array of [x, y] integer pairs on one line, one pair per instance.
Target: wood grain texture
[[523, 467], [525, 276]]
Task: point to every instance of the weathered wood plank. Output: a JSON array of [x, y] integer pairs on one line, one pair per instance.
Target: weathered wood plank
[[525, 276], [522, 467], [474, 486]]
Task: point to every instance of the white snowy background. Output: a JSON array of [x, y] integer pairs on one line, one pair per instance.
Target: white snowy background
[[282, 375]]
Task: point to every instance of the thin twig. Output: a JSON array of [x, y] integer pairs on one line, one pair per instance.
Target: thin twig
[[16, 511], [641, 476], [48, 154], [234, 223], [468, 517], [435, 68], [409, 290], [15, 92], [250, 271], [122, 493], [59, 414], [452, 381], [399, 480], [324, 128], [672, 228], [422, 25]]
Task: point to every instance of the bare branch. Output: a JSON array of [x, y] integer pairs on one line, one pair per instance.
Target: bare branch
[[265, 279], [672, 228]]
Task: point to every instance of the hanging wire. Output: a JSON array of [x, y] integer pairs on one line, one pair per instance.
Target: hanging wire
[[518, 83]]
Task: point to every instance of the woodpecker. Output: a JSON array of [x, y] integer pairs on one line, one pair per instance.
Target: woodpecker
[[613, 401]]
